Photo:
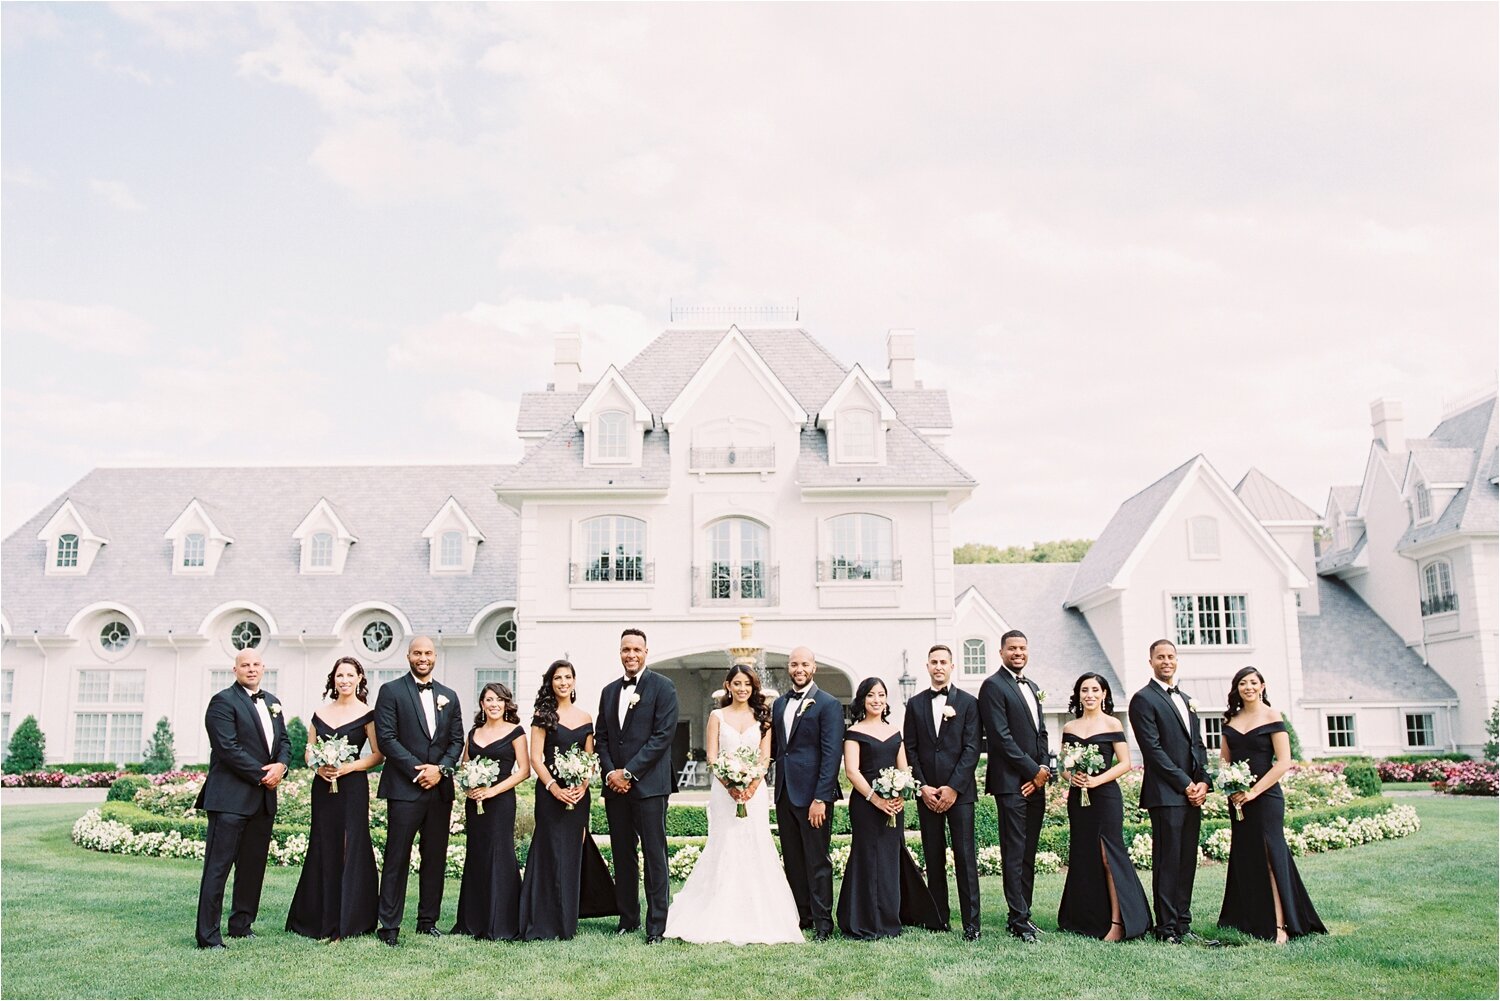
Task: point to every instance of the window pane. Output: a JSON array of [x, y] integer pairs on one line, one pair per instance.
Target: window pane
[[193, 548], [125, 737], [245, 635], [322, 550], [93, 686], [453, 549], [505, 636], [67, 551], [1213, 731], [974, 657], [860, 547], [856, 431], [615, 547], [5, 730], [115, 636], [487, 675], [612, 443], [1340, 731], [1182, 619], [89, 732], [1419, 730], [8, 691], [1236, 621], [129, 686]]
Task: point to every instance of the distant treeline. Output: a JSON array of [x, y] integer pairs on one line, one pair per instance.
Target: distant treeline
[[1059, 551]]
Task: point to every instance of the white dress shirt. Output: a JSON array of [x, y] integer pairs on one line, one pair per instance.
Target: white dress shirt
[[939, 703], [1179, 701], [429, 709], [264, 712], [626, 693], [793, 706], [1030, 699]]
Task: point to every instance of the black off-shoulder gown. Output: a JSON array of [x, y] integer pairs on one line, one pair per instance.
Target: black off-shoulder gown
[[489, 898], [1085, 900]]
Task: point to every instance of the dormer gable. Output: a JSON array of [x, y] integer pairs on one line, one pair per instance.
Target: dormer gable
[[452, 540], [325, 538], [732, 347], [613, 419], [1433, 477], [73, 536], [198, 539], [855, 419]]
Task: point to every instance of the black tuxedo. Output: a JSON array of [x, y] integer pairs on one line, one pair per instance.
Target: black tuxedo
[[807, 768], [945, 755], [1017, 750], [405, 740], [240, 809], [639, 746], [1175, 757]]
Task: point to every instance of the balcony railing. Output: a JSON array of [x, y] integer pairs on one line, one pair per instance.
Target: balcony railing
[[1442, 603], [613, 570], [732, 457], [755, 583], [845, 569]]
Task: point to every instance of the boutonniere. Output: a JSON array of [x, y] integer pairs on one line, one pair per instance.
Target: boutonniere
[[274, 708], [949, 712], [1192, 705], [442, 700], [1041, 695], [805, 706], [634, 698]]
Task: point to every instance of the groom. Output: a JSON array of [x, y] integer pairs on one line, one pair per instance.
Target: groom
[[637, 720], [807, 736]]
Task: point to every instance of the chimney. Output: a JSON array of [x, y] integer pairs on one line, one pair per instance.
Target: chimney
[[901, 350], [1388, 423], [565, 367]]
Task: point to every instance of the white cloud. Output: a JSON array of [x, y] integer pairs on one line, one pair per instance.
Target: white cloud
[[101, 329], [103, 61], [116, 193]]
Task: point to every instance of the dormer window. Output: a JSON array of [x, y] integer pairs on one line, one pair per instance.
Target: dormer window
[[322, 551], [67, 551], [452, 540], [198, 538], [856, 433], [1424, 502], [611, 443], [855, 419], [71, 539], [194, 547], [326, 537], [453, 550], [614, 421]]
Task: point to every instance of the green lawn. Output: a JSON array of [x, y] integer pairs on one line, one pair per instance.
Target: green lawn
[[1411, 918]]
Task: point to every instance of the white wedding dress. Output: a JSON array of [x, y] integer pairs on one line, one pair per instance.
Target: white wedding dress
[[737, 892]]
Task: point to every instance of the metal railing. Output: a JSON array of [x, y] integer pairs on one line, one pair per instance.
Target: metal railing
[[1442, 603], [736, 584], [844, 569], [613, 570], [734, 314], [732, 457]]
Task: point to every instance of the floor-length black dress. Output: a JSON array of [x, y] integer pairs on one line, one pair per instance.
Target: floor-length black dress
[[1085, 900], [489, 898], [1257, 840], [882, 888], [339, 890], [566, 877]]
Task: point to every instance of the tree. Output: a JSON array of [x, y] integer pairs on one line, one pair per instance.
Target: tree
[[160, 754], [28, 748], [296, 735], [1492, 727], [1058, 551], [1291, 736]]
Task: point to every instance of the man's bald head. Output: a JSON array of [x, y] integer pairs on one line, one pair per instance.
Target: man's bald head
[[421, 655]]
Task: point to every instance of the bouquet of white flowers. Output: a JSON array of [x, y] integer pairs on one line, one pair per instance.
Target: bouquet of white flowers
[[575, 767], [333, 751], [1084, 758], [476, 773], [738, 768], [1235, 778], [894, 783]]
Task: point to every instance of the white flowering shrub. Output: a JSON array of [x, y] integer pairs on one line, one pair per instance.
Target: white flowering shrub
[[683, 860], [1047, 862], [1140, 851], [1217, 845], [839, 856], [989, 861]]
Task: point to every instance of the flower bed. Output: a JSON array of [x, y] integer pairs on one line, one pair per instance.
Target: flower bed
[[1314, 836], [1468, 778], [72, 779]]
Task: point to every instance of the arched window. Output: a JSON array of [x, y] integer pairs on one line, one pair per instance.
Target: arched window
[[614, 549], [1437, 588], [610, 441], [856, 432], [245, 635], [378, 636], [193, 550], [976, 661], [737, 560], [67, 550], [322, 550], [452, 554], [115, 636], [860, 548]]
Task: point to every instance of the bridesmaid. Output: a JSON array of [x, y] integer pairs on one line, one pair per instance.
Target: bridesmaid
[[489, 898], [882, 887], [566, 877], [338, 892], [1103, 897], [1263, 895]]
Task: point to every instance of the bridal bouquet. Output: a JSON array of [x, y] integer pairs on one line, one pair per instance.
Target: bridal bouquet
[[333, 751], [1234, 778], [1082, 758], [476, 773], [575, 767], [894, 783], [737, 769]]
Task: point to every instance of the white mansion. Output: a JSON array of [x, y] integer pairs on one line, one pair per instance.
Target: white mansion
[[723, 472]]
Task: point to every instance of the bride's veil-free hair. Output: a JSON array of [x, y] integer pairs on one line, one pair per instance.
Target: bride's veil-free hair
[[758, 706]]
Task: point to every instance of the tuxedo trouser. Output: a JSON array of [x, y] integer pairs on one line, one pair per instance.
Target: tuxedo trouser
[[959, 821], [804, 856], [642, 820], [404, 818], [239, 841], [1020, 828], [1174, 862]]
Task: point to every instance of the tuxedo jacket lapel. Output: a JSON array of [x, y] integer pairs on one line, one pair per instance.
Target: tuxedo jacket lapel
[[416, 704], [1166, 700], [812, 691], [925, 708], [247, 706]]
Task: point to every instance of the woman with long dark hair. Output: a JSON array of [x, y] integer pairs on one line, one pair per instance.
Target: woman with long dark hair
[[338, 892], [489, 898], [1103, 897], [738, 891], [1263, 894], [566, 877]]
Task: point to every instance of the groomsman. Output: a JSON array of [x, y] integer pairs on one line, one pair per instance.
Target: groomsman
[[1173, 787], [807, 738], [248, 756], [1017, 776], [941, 734], [636, 722], [420, 730]]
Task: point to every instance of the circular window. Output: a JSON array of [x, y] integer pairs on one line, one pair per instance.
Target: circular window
[[115, 636], [505, 635], [378, 636], [245, 636]]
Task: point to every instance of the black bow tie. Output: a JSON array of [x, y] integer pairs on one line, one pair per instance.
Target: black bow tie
[[424, 687], [940, 691], [257, 696], [628, 682], [797, 696], [1174, 691]]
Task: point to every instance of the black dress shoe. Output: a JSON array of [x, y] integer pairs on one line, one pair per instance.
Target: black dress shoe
[[1168, 939], [1026, 935], [247, 935], [216, 945], [653, 939], [434, 932], [823, 935], [388, 936], [1196, 939], [971, 934], [623, 930], [1034, 929]]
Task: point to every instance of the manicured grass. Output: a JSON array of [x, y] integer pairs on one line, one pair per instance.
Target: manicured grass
[[1389, 786], [1410, 918]]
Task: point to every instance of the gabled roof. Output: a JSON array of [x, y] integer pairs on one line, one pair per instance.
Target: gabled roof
[[1271, 502], [1344, 499], [910, 461], [1029, 596], [85, 515], [924, 409], [326, 508], [1476, 507], [541, 413], [1332, 562], [556, 464], [452, 507], [733, 344], [612, 379], [1438, 464], [389, 504], [217, 530], [1350, 654], [856, 377]]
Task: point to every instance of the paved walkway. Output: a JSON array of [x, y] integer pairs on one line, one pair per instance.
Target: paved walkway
[[30, 797]]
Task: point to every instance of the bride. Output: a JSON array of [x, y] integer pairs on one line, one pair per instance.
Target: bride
[[737, 892]]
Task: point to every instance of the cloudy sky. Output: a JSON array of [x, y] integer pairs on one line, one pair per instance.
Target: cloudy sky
[[1125, 234]]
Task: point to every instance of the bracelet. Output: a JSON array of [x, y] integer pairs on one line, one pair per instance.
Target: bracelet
[[870, 798], [550, 785]]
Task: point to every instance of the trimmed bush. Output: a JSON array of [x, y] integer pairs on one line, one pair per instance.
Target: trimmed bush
[[296, 735], [1413, 759], [124, 787], [28, 748], [1363, 778], [1492, 727], [160, 755], [1292, 738]]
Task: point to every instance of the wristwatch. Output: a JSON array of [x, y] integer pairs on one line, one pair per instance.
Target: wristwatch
[[446, 770], [626, 772]]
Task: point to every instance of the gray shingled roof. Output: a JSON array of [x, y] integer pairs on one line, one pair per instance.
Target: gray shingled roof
[[1269, 501], [547, 411], [1029, 596], [1349, 653], [1345, 499], [1475, 508], [910, 459], [1123, 533], [1444, 464], [921, 408], [557, 463], [389, 505], [1329, 562]]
